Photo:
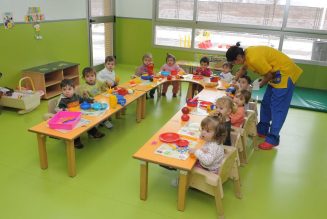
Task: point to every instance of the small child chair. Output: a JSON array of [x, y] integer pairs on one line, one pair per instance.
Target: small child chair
[[51, 108], [211, 183]]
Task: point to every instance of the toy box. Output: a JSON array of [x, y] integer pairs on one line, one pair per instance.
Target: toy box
[[64, 120]]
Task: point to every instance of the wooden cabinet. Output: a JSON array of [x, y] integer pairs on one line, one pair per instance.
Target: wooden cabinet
[[48, 77]]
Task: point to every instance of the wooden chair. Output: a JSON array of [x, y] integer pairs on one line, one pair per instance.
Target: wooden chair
[[52, 103], [211, 183]]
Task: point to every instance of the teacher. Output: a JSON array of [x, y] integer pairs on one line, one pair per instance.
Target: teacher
[[281, 73]]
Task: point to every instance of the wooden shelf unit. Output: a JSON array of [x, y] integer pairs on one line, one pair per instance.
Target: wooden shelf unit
[[48, 77]]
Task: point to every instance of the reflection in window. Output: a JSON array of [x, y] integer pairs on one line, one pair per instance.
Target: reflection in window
[[176, 9], [251, 12], [222, 40], [98, 43], [173, 36]]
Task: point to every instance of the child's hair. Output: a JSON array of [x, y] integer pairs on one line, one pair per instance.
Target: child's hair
[[110, 59], [216, 122], [228, 64], [205, 60], [146, 55], [67, 82], [247, 78], [227, 102], [246, 94], [87, 70], [170, 56], [234, 51]]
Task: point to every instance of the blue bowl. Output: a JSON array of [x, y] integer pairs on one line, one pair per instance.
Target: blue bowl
[[165, 73], [85, 105], [148, 77], [121, 102], [99, 106]]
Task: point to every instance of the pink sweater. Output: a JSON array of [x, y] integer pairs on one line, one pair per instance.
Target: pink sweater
[[237, 118]]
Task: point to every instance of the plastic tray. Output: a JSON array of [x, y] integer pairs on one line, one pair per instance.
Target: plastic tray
[[65, 120]]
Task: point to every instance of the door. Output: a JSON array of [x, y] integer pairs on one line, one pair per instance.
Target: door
[[101, 30]]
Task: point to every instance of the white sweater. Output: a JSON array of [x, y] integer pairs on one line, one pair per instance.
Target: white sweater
[[228, 77], [106, 76], [210, 155]]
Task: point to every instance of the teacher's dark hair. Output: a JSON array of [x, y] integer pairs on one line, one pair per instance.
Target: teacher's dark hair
[[233, 52]]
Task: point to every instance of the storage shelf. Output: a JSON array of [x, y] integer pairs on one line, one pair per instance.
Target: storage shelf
[[52, 82]]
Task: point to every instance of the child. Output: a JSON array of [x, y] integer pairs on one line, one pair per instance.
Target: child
[[68, 99], [146, 68], [93, 87], [213, 132], [225, 106], [170, 66], [247, 97], [244, 83], [203, 70], [226, 74], [237, 118], [108, 75]]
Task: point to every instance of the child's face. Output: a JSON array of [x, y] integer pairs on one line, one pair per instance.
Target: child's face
[[110, 65], [239, 100], [207, 134], [224, 110], [204, 65], [170, 61], [68, 91], [226, 69], [90, 78], [243, 84], [147, 61]]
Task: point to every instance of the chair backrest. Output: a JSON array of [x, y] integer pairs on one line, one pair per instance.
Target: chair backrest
[[250, 124], [227, 163], [52, 105], [254, 106]]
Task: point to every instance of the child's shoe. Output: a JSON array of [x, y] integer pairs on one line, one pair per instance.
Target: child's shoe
[[97, 134], [266, 146], [108, 124], [174, 95], [151, 96], [163, 94], [78, 144]]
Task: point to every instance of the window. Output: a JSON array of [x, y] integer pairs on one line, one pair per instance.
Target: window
[[215, 25]]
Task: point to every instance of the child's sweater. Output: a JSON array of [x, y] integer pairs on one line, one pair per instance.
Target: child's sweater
[[106, 76], [228, 77], [212, 157], [68, 102], [141, 70], [237, 118], [204, 72], [92, 90], [166, 67]]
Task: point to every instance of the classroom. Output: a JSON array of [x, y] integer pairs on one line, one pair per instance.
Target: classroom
[[85, 84]]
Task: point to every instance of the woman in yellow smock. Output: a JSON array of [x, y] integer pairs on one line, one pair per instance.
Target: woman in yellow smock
[[281, 73]]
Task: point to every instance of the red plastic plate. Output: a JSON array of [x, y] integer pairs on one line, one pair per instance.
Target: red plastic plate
[[169, 137], [182, 143]]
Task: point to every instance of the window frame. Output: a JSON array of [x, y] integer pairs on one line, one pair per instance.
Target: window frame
[[194, 24]]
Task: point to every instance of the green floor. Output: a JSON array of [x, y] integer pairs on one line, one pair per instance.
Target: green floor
[[288, 182]]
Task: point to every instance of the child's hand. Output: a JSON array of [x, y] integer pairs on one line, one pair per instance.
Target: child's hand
[[204, 150], [117, 79], [133, 76], [109, 84], [85, 94]]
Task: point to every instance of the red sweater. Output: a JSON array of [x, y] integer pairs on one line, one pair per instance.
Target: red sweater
[[237, 118]]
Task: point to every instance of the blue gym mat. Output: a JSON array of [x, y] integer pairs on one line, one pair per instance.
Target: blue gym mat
[[303, 98]]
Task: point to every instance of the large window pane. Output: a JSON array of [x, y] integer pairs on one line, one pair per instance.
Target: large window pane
[[251, 12], [305, 48], [173, 36], [307, 14], [98, 43], [101, 8], [176, 9], [222, 40]]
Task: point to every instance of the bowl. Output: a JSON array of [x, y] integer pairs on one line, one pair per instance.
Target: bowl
[[197, 77], [146, 77], [165, 73], [214, 79], [192, 103], [182, 143], [99, 106], [85, 105]]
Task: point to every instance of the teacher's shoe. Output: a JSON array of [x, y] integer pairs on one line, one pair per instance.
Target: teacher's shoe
[[266, 146]]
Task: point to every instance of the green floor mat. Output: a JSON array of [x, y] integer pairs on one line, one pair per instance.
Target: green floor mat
[[303, 98]]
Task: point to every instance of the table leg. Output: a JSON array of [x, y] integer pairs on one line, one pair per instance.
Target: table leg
[[189, 91], [139, 109], [70, 151], [182, 185], [143, 106], [41, 139], [143, 180]]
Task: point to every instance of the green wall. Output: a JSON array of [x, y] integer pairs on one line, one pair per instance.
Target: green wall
[[65, 40], [134, 38]]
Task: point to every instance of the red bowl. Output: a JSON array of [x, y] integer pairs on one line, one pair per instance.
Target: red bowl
[[214, 79], [182, 143]]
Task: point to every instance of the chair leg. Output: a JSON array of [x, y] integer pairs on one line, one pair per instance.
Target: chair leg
[[219, 203]]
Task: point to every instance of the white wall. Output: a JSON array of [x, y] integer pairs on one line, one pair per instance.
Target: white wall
[[134, 8], [52, 9]]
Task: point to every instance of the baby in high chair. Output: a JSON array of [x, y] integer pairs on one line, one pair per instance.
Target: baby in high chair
[[213, 132]]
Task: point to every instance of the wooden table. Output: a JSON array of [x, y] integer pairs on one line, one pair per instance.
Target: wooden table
[[146, 154], [42, 131]]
